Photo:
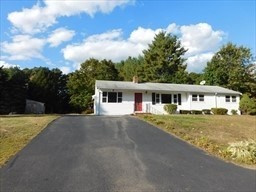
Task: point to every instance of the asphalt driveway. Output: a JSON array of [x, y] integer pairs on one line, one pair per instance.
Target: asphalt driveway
[[91, 153]]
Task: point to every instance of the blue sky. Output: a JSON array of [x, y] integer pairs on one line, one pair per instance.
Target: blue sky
[[63, 34]]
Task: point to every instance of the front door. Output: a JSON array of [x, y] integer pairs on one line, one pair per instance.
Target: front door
[[138, 101]]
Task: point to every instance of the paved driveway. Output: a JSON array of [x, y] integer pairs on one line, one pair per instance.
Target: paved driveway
[[90, 153]]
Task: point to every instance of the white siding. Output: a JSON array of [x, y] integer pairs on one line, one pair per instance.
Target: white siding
[[127, 105]]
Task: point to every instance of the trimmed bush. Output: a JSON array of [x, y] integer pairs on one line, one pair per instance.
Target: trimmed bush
[[234, 112], [196, 112], [243, 151], [170, 108], [219, 111], [185, 112]]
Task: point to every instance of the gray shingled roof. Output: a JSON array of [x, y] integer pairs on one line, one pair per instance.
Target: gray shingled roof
[[125, 85]]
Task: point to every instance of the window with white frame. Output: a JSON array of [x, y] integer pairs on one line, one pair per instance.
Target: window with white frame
[[196, 97], [201, 97], [112, 97], [164, 98], [227, 98], [157, 98], [234, 99], [175, 98]]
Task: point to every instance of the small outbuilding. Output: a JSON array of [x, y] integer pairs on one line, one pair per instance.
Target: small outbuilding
[[34, 107], [121, 98]]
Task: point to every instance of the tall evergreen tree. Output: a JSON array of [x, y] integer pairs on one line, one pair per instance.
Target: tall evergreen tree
[[164, 61]]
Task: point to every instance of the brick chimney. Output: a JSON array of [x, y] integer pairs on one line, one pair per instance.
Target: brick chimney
[[135, 79]]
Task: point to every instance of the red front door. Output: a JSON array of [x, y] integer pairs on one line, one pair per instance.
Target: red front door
[[138, 101]]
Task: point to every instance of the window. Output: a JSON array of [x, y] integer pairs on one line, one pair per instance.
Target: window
[[153, 98], [233, 98], [227, 98], [201, 97], [194, 97], [104, 97], [166, 98], [197, 97], [179, 99], [157, 98], [175, 99], [119, 97], [112, 97]]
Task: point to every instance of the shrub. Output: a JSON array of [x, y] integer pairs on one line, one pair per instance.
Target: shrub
[[234, 112], [196, 112], [185, 112], [243, 151], [219, 111], [206, 111], [170, 108], [88, 111], [247, 105]]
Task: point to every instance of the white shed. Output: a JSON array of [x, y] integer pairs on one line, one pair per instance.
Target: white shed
[[121, 98]]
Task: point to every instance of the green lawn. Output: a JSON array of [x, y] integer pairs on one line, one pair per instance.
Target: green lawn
[[17, 131], [212, 133]]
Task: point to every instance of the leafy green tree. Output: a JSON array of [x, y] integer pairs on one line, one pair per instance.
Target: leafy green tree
[[13, 90], [247, 105], [231, 67], [130, 67], [49, 86], [3, 91], [164, 61], [195, 78], [81, 83]]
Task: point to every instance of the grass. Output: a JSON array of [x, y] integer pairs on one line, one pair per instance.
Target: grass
[[17, 131], [213, 133]]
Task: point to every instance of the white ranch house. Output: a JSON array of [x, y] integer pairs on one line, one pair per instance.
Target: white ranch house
[[122, 98]]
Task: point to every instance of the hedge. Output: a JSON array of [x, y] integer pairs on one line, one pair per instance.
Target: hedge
[[219, 111]]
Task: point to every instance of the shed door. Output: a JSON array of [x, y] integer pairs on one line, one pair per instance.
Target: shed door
[[138, 101]]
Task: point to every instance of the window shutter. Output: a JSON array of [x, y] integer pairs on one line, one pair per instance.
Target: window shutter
[[153, 98], [179, 99]]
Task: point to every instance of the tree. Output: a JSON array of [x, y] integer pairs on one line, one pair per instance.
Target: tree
[[49, 86], [13, 86], [231, 67], [195, 78], [247, 105], [164, 60], [81, 83], [130, 67]]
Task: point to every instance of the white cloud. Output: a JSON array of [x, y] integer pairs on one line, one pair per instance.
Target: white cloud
[[65, 69], [200, 39], [143, 36], [23, 47], [59, 36], [109, 45], [39, 18], [197, 62], [4, 64]]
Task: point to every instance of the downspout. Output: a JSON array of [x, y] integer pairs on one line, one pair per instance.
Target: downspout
[[98, 111], [216, 104]]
